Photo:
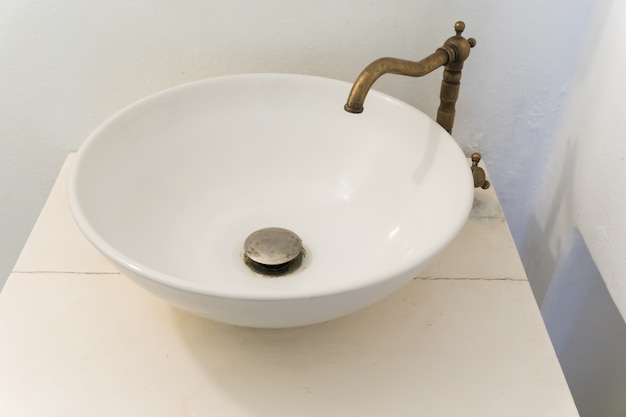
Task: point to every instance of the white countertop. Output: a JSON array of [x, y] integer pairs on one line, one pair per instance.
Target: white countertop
[[464, 339]]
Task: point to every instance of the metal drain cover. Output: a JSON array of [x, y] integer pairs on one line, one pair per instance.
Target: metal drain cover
[[273, 251], [273, 246]]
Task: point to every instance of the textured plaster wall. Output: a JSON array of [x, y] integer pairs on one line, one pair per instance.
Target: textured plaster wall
[[574, 247], [584, 184], [66, 66]]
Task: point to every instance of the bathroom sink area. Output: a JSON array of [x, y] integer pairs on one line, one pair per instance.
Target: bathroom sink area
[[170, 188]]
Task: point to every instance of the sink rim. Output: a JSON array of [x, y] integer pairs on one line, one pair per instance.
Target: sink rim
[[174, 282]]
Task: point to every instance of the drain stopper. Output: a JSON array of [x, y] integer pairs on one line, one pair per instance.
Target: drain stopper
[[273, 251]]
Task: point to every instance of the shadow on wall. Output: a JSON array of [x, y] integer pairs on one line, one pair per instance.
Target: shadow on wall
[[586, 328], [587, 332], [543, 242]]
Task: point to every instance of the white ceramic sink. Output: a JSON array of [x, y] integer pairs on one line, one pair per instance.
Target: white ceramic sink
[[170, 187]]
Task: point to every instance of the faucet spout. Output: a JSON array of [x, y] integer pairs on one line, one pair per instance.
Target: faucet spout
[[451, 55], [388, 65]]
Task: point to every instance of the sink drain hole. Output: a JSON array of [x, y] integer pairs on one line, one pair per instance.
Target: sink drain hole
[[273, 251], [274, 270]]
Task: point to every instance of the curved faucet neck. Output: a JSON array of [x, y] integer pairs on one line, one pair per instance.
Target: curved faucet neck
[[452, 54]]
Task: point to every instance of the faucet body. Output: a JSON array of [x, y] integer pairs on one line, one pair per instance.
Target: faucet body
[[451, 55]]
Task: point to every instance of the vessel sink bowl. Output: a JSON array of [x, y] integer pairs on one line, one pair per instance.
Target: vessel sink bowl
[[170, 187]]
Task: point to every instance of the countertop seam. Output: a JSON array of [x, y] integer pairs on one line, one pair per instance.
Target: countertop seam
[[470, 279], [66, 272]]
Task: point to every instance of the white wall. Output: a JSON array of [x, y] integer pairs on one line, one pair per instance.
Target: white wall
[[66, 66], [584, 184], [574, 248]]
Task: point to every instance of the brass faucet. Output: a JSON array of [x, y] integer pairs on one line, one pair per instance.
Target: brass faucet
[[452, 54]]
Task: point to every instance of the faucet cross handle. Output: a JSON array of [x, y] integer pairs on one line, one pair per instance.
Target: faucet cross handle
[[459, 45], [459, 27], [480, 178]]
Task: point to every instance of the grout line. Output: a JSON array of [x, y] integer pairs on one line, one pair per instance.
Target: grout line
[[487, 217], [66, 272], [416, 278], [470, 279]]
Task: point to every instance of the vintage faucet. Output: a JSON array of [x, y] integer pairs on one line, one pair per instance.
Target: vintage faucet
[[452, 54]]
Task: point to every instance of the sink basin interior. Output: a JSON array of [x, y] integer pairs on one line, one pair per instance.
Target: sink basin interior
[[186, 175]]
